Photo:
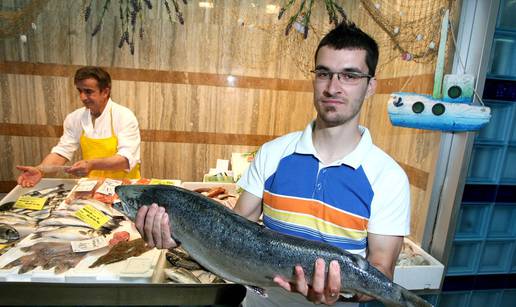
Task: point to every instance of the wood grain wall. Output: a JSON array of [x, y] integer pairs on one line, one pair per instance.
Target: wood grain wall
[[177, 84]]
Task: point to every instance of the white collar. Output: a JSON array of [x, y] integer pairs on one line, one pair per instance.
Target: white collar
[[353, 159], [106, 110]]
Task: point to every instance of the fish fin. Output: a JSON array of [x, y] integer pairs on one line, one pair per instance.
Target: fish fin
[[260, 291], [177, 241], [360, 261], [119, 218], [26, 248], [36, 235], [413, 300], [104, 231]]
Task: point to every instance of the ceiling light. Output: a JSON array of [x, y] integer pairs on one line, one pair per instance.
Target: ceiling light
[[206, 4], [271, 9]]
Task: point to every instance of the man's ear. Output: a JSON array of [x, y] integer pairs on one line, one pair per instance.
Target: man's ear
[[371, 87], [106, 91]]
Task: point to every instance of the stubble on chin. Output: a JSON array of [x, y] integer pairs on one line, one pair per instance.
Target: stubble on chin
[[329, 117]]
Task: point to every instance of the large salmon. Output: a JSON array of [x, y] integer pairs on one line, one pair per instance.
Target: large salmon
[[247, 253]]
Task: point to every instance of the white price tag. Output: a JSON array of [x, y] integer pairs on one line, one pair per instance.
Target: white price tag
[[85, 185], [108, 186], [222, 165], [89, 245]]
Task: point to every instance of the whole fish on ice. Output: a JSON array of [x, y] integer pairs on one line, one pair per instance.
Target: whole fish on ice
[[244, 252], [8, 234]]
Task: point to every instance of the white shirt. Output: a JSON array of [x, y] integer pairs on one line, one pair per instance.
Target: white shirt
[[125, 127]]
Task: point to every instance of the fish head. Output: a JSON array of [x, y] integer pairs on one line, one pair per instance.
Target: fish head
[[132, 198], [8, 233]]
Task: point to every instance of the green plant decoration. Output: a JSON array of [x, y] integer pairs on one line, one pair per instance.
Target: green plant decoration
[[130, 14], [303, 13]]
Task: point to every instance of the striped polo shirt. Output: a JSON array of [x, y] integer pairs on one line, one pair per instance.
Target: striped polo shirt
[[337, 203]]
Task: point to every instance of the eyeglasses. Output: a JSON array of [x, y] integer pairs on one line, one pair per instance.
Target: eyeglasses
[[345, 77]]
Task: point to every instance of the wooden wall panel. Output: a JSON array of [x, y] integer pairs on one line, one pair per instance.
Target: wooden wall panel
[[176, 84], [36, 100], [182, 160]]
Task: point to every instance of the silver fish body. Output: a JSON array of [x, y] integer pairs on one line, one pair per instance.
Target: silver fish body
[[244, 252], [70, 233], [181, 275]]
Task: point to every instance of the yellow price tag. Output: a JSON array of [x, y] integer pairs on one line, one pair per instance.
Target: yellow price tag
[[165, 181], [30, 202], [92, 216]]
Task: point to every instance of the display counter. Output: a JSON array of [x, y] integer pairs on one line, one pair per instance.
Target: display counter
[[134, 281], [139, 280], [67, 294]]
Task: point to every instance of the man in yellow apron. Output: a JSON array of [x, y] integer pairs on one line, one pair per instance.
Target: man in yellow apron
[[107, 133]]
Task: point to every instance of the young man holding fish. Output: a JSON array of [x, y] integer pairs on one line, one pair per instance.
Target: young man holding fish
[[106, 132], [328, 183]]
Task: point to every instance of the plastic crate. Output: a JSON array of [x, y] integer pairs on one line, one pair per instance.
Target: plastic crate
[[419, 277]]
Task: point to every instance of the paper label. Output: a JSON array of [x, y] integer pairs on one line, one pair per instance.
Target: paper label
[[30, 202], [165, 181], [108, 186], [85, 185], [90, 244], [92, 216], [222, 165]]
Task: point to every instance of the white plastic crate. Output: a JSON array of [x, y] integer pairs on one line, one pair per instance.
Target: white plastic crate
[[420, 277]]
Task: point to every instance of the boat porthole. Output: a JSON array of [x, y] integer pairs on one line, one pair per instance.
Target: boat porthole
[[418, 107], [438, 109], [454, 92]]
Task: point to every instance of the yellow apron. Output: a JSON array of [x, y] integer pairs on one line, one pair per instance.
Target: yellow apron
[[103, 148]]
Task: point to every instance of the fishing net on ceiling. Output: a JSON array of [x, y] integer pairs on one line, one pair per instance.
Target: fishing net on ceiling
[[407, 30], [271, 33], [17, 17], [410, 30]]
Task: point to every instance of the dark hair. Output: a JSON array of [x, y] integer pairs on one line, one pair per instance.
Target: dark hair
[[97, 73], [348, 36]]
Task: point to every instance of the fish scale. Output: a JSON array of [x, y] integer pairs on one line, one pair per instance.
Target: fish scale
[[245, 252]]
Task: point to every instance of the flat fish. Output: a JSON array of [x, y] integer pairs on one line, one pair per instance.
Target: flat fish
[[247, 253], [122, 251], [57, 255]]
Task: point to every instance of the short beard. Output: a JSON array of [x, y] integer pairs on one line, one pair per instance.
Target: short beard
[[332, 121]]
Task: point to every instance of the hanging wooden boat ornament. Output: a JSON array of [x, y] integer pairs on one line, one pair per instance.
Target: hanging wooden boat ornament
[[450, 111]]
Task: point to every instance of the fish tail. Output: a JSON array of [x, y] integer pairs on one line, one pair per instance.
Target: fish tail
[[12, 264], [402, 297], [61, 268], [27, 268], [412, 300]]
